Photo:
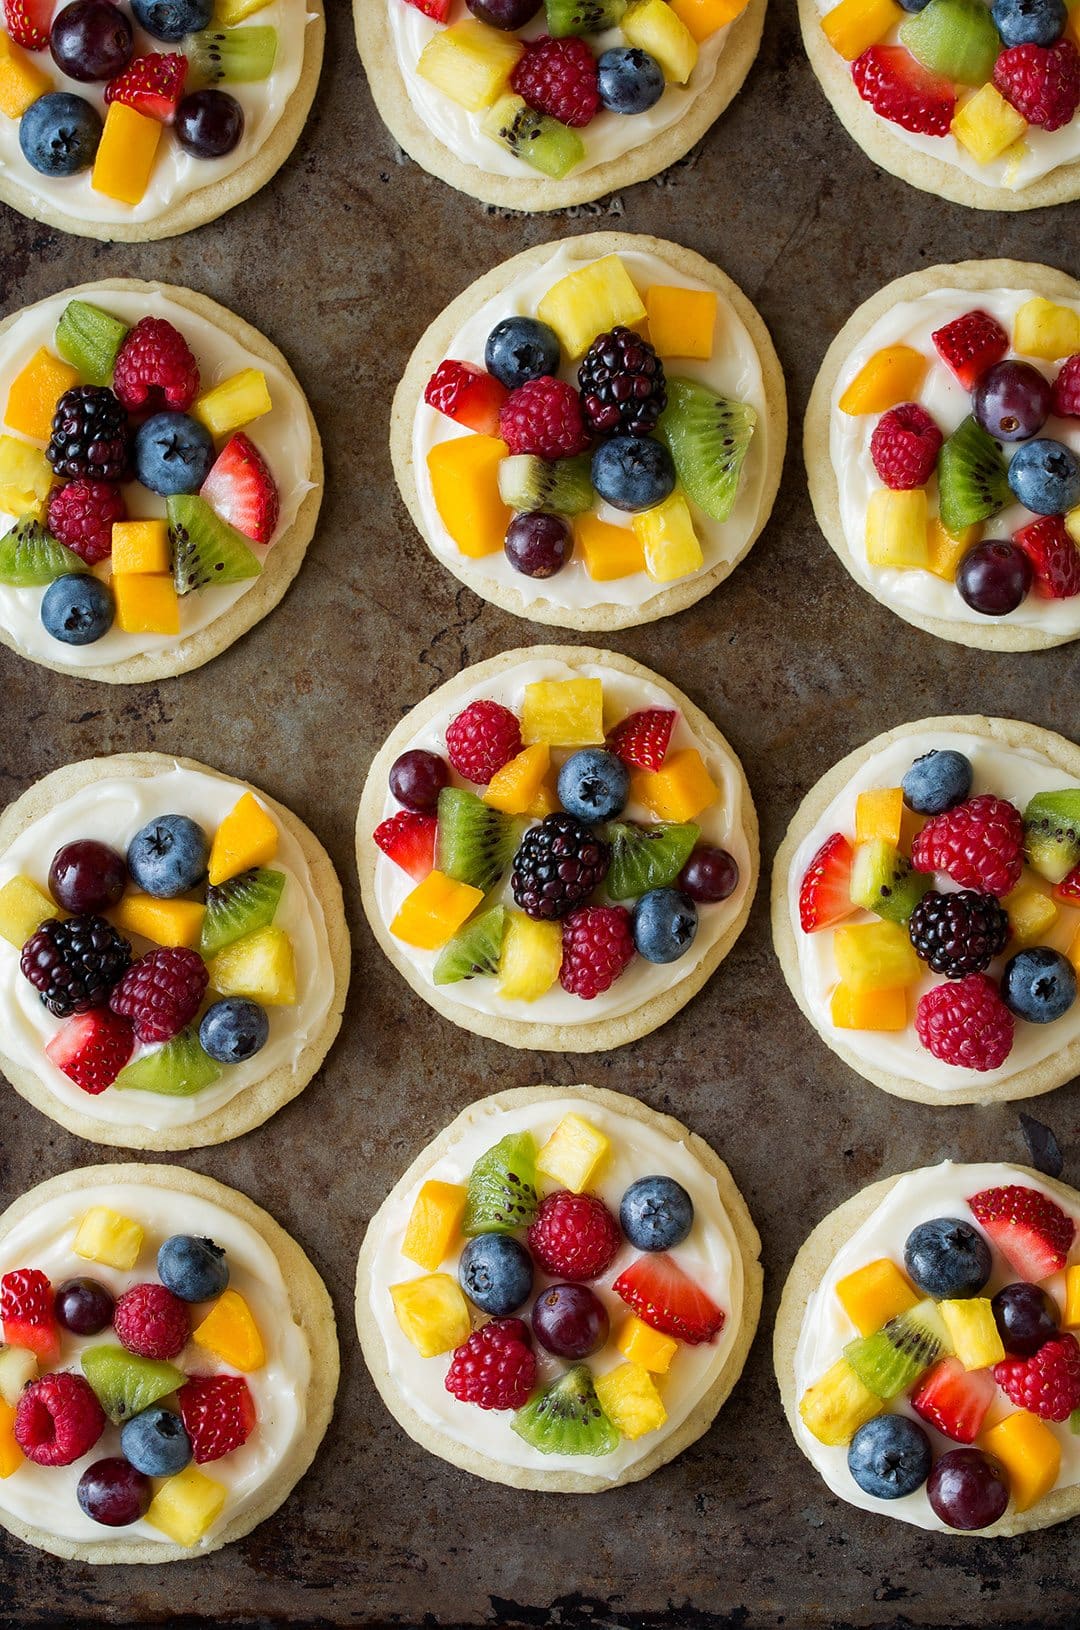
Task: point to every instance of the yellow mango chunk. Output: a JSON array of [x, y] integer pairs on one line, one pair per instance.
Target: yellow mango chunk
[[563, 712], [573, 1152], [854, 25], [21, 80], [531, 957], [464, 474], [1043, 329], [682, 322], [105, 1236], [1070, 1318], [230, 1331], [186, 1505], [515, 788], [703, 18], [629, 1399], [1072, 24], [945, 550], [146, 603], [164, 922], [884, 1010], [470, 62], [141, 546], [656, 27], [835, 1407], [126, 154], [1073, 953], [11, 1456], [23, 909], [234, 403], [434, 911], [973, 1331], [878, 814], [892, 375], [1030, 1453], [434, 1223], [643, 1345], [432, 1313], [247, 837], [608, 551], [35, 392], [1031, 913], [680, 790], [873, 1295], [896, 529], [589, 301], [986, 124], [875, 957], [672, 548], [25, 477]]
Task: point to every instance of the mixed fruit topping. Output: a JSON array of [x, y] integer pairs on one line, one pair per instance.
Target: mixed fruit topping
[[936, 1357], [165, 1387], [1010, 448], [523, 854], [551, 459], [167, 1018], [91, 91], [951, 882], [117, 419], [515, 1245], [986, 74]]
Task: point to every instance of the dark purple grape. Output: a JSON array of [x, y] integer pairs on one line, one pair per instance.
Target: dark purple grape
[[87, 876], [209, 123], [570, 1320], [1012, 401], [994, 577], [113, 1493], [1026, 1317], [967, 1489], [84, 1306], [538, 545], [91, 40], [709, 875], [417, 778], [507, 14]]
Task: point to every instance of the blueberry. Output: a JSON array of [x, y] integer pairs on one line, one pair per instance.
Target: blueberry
[[77, 609], [594, 785], [629, 80], [233, 1030], [168, 856], [155, 1442], [496, 1273], [173, 453], [914, 5], [172, 19], [947, 1257], [1029, 22], [937, 781], [665, 922], [193, 1269], [519, 349], [889, 1457], [656, 1213], [633, 472], [1045, 476], [59, 134], [1039, 985]]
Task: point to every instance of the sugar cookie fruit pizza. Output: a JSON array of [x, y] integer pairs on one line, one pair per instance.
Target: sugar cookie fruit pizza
[[168, 1365], [943, 452], [556, 849], [561, 1291], [926, 1350], [540, 104], [145, 118], [592, 434], [173, 952]]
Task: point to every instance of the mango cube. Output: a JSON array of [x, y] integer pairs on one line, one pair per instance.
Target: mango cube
[[1032, 912], [945, 550], [1070, 1318], [563, 712], [186, 1505], [682, 322], [986, 124], [892, 375], [629, 1399], [835, 1407], [703, 18], [164, 922], [21, 80], [434, 1223], [875, 957], [854, 25], [234, 403], [572, 1154], [23, 909], [1072, 24], [1030, 1453], [434, 911], [680, 790], [228, 12], [229, 1330], [643, 1345], [433, 1313], [464, 473], [11, 1456], [882, 1010], [141, 546], [973, 1331], [146, 603], [896, 529], [1073, 953], [609, 552], [470, 62], [105, 1236], [25, 477], [589, 301], [670, 544], [1043, 329], [260, 966], [35, 392], [531, 958], [515, 788], [879, 812], [873, 1295], [656, 27], [126, 154], [247, 837]]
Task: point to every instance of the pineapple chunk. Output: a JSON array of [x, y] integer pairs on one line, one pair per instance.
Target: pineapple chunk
[[229, 1331], [1072, 524], [892, 375], [261, 966], [986, 124], [163, 922], [1073, 953], [23, 909], [875, 957], [680, 790], [126, 154], [470, 62], [563, 712], [629, 1399], [682, 322], [589, 301], [515, 788], [18, 1365], [21, 80], [668, 539], [146, 603], [186, 1505], [973, 1331], [883, 1010], [107, 1237], [247, 837], [433, 1313], [572, 1154], [655, 27], [25, 477], [464, 473], [873, 1295], [835, 1407], [703, 18], [1032, 912], [141, 546], [434, 911], [641, 1344], [1030, 1453], [879, 813], [531, 958], [1071, 1316], [234, 403], [896, 529], [35, 392], [1043, 329], [945, 550], [11, 1456], [228, 12], [608, 551], [854, 25], [434, 1223]]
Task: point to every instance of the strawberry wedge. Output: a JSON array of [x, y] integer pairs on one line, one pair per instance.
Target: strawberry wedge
[[26, 1307], [642, 739], [666, 1298], [242, 491], [825, 891], [970, 344], [29, 22], [152, 85], [409, 841], [955, 1400], [1030, 1230]]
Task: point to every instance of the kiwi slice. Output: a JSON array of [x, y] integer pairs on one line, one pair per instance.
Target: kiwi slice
[[892, 1358], [543, 142], [90, 339], [957, 38], [567, 1419], [179, 1069], [126, 1384], [31, 557], [708, 436], [884, 881], [206, 549], [972, 482], [501, 1194], [582, 16], [476, 950], [563, 486], [235, 56], [1052, 833], [239, 907], [647, 857], [475, 843]]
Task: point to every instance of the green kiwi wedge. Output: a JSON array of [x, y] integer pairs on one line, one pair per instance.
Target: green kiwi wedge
[[956, 38], [475, 843], [475, 950], [1052, 833], [124, 1383], [582, 16], [205, 548], [239, 907], [561, 486], [708, 437], [179, 1069], [892, 1358], [566, 1419], [972, 481], [647, 857], [885, 882], [501, 1193], [31, 557], [548, 146]]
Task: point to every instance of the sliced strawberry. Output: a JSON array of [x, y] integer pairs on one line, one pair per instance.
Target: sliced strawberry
[[152, 85], [970, 344], [26, 1307], [1054, 557], [437, 10], [1030, 1230], [666, 1298], [1067, 892], [825, 891], [467, 395], [901, 90], [955, 1400], [642, 739], [218, 1413], [409, 840], [29, 22], [92, 1048], [242, 490]]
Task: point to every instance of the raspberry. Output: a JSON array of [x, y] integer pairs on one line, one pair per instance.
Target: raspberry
[[642, 739], [966, 1023], [1065, 401], [155, 368], [558, 77], [81, 514], [91, 438], [495, 1368], [161, 992], [1048, 1383], [1041, 82], [218, 1413], [597, 946], [574, 1236], [1054, 557], [544, 417], [621, 380], [904, 447], [482, 738], [557, 866], [152, 1322], [903, 91], [58, 1419], [979, 844], [75, 964], [958, 934]]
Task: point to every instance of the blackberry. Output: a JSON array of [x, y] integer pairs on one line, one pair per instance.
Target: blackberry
[[91, 438], [958, 934], [621, 380], [75, 964], [558, 865]]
